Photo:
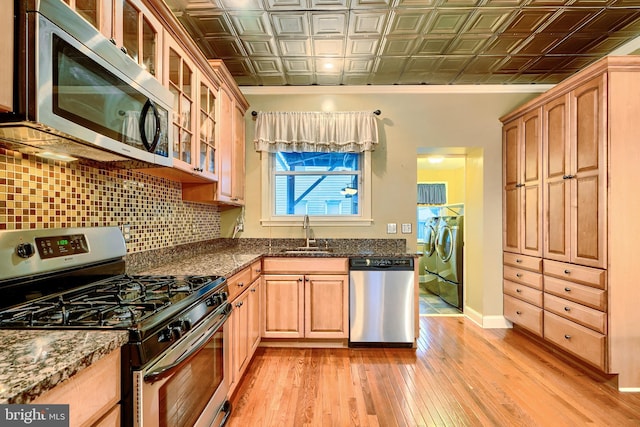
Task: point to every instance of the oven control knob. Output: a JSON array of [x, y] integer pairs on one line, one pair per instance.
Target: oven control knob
[[25, 250], [170, 334]]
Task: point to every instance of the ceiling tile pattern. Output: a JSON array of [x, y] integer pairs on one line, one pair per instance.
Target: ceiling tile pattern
[[386, 42]]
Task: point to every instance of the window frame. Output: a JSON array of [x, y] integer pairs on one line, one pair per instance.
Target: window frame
[[268, 218]]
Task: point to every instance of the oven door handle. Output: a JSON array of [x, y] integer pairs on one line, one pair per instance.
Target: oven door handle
[[165, 371]]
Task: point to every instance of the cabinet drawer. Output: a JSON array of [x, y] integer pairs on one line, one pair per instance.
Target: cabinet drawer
[[585, 295], [525, 293], [593, 319], [523, 261], [239, 282], [524, 314], [578, 340], [588, 276], [256, 270], [295, 265], [525, 277]]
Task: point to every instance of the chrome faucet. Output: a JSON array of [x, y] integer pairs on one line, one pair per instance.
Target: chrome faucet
[[307, 230]]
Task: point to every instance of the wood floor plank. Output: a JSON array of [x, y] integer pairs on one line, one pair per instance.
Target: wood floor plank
[[459, 375]]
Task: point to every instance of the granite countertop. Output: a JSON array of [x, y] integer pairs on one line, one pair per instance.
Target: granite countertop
[[34, 361], [228, 262]]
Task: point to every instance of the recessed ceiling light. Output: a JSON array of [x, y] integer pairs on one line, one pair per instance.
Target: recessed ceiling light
[[328, 65]]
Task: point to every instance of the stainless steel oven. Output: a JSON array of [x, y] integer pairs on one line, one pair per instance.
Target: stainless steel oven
[[76, 93], [173, 366], [187, 385]]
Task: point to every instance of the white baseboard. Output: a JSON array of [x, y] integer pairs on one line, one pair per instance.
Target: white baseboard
[[629, 389], [487, 322]]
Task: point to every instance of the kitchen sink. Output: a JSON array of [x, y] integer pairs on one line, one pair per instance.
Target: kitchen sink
[[307, 250]]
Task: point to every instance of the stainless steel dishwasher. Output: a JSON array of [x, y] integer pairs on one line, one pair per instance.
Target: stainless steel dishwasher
[[381, 302]]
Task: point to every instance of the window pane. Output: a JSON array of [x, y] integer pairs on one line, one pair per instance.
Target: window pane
[[317, 162], [316, 195]]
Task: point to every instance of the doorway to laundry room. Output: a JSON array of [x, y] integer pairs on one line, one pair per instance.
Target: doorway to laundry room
[[440, 233]]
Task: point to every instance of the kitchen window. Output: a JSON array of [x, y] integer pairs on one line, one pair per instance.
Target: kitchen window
[[332, 188], [316, 164]]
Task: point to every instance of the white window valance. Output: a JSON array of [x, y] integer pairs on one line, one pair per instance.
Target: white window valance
[[300, 131]]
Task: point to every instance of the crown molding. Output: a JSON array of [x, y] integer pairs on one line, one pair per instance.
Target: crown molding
[[394, 89]]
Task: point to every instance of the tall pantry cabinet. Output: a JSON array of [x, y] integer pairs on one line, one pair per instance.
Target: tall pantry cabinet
[[577, 289]]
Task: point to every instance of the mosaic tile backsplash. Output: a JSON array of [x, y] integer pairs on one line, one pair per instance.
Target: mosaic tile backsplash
[[38, 193]]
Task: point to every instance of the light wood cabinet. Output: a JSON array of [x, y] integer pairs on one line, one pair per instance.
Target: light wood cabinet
[[93, 394], [244, 322], [575, 143], [98, 13], [305, 298], [522, 176], [231, 138], [522, 287], [590, 174], [138, 31]]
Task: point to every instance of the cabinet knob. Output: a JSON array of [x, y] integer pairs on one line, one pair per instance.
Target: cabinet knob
[[567, 337], [567, 272], [567, 289], [253, 290], [518, 290], [519, 185], [518, 260], [518, 312], [518, 275], [568, 176], [240, 284], [239, 304], [567, 309], [299, 279]]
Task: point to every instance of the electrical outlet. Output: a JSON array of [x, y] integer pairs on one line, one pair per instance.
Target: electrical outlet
[[126, 232], [406, 228], [392, 228]]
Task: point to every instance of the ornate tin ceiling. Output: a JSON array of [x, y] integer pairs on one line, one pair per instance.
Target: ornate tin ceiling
[[385, 42]]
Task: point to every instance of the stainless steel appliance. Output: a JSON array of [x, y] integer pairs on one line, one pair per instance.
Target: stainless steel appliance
[[381, 302], [173, 366], [430, 264], [449, 250], [76, 93]]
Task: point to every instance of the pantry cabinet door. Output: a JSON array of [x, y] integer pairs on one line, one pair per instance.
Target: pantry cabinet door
[[588, 182], [511, 193], [531, 178], [556, 166]]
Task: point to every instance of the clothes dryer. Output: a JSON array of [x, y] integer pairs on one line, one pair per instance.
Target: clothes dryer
[[449, 259]]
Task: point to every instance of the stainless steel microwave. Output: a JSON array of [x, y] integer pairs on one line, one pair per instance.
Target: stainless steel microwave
[[76, 93]]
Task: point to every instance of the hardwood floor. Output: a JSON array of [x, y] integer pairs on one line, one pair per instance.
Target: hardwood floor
[[460, 375]]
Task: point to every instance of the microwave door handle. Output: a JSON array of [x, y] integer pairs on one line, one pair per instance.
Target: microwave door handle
[[165, 371], [143, 121]]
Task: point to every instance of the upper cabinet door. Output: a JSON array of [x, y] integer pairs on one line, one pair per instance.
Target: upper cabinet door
[[98, 13], [181, 82], [575, 142], [137, 31], [511, 179], [522, 204], [588, 173], [206, 159], [556, 148]]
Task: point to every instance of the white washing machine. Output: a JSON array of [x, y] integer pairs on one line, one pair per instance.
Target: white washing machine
[[449, 259]]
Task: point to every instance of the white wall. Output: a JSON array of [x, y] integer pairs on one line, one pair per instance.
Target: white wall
[[451, 120]]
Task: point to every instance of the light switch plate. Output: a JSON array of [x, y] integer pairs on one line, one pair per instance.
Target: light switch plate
[[392, 228], [406, 228]]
